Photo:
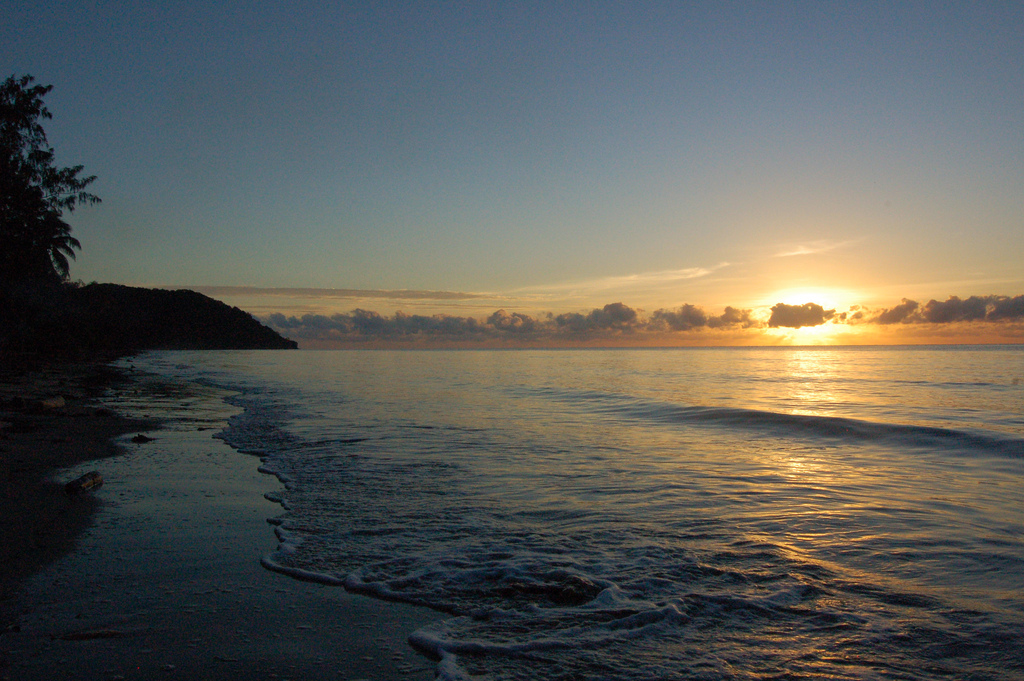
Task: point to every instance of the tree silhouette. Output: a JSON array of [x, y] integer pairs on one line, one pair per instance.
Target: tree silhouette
[[35, 242]]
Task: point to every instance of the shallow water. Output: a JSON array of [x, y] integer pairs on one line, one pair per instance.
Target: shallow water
[[166, 583], [698, 513]]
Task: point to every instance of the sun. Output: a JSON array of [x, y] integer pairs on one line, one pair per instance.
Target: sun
[[828, 333], [829, 298], [823, 334]]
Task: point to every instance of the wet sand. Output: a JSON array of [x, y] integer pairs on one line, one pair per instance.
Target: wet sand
[[164, 578], [38, 522]]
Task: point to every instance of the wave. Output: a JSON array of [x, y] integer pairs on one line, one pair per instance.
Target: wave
[[788, 425]]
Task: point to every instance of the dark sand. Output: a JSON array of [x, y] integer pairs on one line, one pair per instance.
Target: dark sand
[[38, 522], [156, 574]]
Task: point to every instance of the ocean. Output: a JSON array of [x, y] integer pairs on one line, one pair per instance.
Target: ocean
[[726, 513]]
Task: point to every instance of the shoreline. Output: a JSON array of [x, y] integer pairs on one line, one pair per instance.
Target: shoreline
[[39, 523], [157, 573]]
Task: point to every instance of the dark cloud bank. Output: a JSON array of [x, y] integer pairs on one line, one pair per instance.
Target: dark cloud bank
[[617, 322], [973, 309]]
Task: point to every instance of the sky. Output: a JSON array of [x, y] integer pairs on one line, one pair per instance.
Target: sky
[[450, 160]]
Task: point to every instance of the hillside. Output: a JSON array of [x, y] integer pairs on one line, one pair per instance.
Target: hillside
[[100, 321]]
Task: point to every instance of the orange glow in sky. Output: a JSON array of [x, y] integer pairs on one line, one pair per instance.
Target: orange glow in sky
[[457, 159]]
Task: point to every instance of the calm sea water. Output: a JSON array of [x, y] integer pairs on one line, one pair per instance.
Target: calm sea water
[[852, 513]]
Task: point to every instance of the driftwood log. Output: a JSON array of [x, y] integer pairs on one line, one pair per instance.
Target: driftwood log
[[89, 481]]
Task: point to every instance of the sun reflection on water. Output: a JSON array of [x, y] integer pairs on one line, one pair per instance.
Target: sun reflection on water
[[811, 388]]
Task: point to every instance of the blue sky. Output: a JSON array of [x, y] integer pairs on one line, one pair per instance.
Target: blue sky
[[547, 156]]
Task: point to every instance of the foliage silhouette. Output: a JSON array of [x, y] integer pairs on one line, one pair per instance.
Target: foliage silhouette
[[42, 316], [35, 241]]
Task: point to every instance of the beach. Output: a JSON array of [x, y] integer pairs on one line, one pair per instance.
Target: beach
[[39, 522], [157, 573], [850, 513]]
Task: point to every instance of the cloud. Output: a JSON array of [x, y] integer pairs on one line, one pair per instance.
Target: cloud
[[797, 316], [954, 310], [734, 317], [619, 323], [444, 325], [821, 246], [369, 324], [390, 294], [900, 313], [360, 326], [683, 319], [615, 316], [654, 279], [1006, 308], [687, 317], [659, 277], [516, 322]]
